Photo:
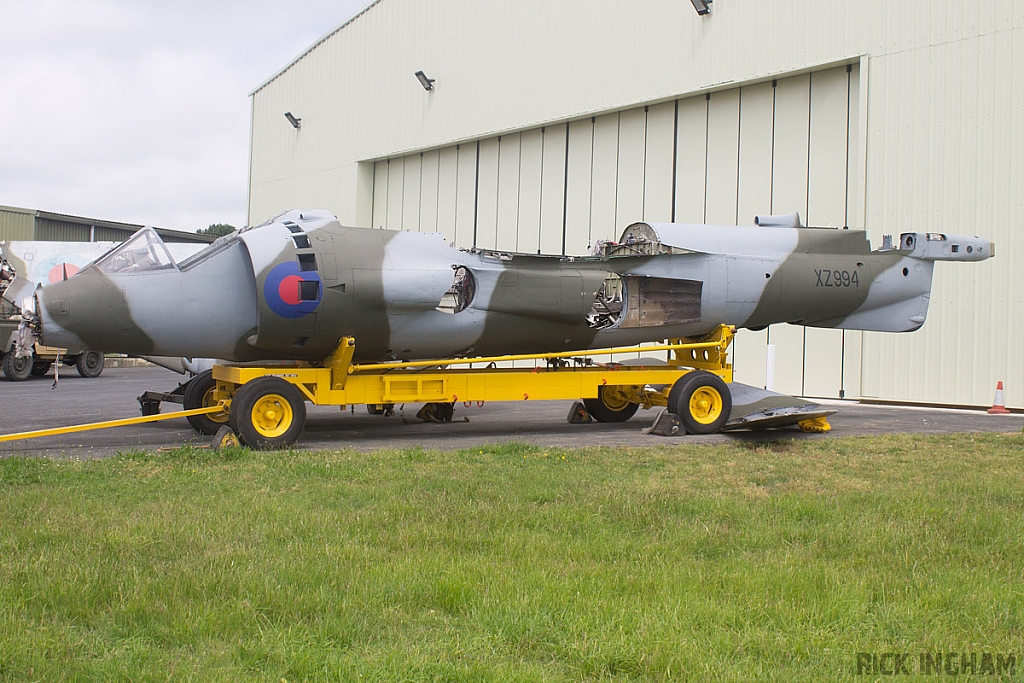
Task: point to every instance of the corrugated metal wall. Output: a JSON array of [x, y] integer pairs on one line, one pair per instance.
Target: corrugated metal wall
[[786, 145], [55, 230], [939, 134], [16, 224]]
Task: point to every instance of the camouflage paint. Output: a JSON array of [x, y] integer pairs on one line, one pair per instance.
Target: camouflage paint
[[292, 287]]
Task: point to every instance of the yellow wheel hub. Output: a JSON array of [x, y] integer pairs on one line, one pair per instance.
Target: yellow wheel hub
[[272, 415], [613, 399], [210, 399], [706, 405]]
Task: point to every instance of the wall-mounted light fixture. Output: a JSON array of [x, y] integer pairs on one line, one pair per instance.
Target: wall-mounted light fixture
[[702, 6], [427, 83], [296, 123]]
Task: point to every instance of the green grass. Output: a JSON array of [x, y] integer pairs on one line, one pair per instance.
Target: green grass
[[735, 562]]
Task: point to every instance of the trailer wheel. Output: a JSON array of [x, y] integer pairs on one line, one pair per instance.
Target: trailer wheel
[[89, 363], [268, 413], [610, 405], [199, 394], [702, 401], [17, 369]]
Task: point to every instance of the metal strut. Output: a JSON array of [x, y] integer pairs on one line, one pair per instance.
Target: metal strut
[[110, 423]]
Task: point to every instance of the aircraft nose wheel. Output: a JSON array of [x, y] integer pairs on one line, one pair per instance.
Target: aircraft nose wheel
[[268, 413], [702, 401]]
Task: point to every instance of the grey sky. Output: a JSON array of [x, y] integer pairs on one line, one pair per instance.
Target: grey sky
[[138, 111]]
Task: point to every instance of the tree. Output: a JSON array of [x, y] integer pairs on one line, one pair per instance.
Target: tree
[[217, 230]]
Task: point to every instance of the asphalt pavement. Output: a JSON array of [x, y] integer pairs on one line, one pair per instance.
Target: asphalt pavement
[[37, 404]]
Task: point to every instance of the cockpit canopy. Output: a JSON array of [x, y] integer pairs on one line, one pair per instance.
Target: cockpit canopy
[[141, 253]]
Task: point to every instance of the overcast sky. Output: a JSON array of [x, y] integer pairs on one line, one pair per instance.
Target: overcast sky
[[138, 111]]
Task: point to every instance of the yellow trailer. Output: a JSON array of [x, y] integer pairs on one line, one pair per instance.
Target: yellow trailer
[[265, 405]]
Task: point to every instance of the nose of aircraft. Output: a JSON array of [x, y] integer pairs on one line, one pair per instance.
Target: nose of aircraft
[[136, 300]]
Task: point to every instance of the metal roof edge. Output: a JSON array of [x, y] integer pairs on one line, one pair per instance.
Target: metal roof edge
[[319, 41], [17, 209], [117, 225]]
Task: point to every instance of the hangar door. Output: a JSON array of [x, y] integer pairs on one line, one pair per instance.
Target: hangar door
[[773, 147]]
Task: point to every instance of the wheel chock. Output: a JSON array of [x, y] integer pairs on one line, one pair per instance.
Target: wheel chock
[[437, 412], [817, 425], [224, 438], [666, 424], [578, 414]]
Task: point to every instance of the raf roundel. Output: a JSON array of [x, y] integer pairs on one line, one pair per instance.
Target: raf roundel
[[292, 293]]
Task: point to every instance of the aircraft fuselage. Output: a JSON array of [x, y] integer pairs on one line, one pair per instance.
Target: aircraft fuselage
[[292, 287]]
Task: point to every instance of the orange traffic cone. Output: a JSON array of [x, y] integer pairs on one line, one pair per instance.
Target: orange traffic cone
[[998, 407]]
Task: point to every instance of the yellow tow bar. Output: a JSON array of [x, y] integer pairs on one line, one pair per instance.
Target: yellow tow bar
[[110, 423]]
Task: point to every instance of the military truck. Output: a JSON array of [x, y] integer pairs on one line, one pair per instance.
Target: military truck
[[88, 363]]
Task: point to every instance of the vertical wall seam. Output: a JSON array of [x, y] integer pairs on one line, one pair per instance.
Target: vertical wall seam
[[590, 204], [807, 181], [540, 210], [707, 133], [739, 147], [519, 190], [675, 158], [476, 194], [643, 185], [565, 190]]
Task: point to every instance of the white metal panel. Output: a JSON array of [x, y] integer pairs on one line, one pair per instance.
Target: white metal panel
[[531, 164], [604, 188], [754, 197], [757, 104], [579, 172], [722, 157], [412, 188], [552, 200], [465, 196], [659, 161], [749, 357], [789, 193], [629, 192], [429, 173], [487, 195], [508, 192], [828, 148], [380, 194], [857, 143], [691, 160], [789, 165], [447, 190], [396, 193], [823, 368]]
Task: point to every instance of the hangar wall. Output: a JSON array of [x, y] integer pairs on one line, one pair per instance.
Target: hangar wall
[[786, 144], [934, 144]]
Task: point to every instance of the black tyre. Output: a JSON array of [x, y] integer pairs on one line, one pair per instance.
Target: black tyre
[[702, 401], [268, 413], [41, 367], [610, 405], [17, 369], [89, 363], [199, 394]]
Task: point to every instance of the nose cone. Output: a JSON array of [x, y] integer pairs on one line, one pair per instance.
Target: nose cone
[[137, 300], [89, 311]]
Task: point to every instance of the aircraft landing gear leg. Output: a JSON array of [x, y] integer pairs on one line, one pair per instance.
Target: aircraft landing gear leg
[[702, 401], [268, 413]]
